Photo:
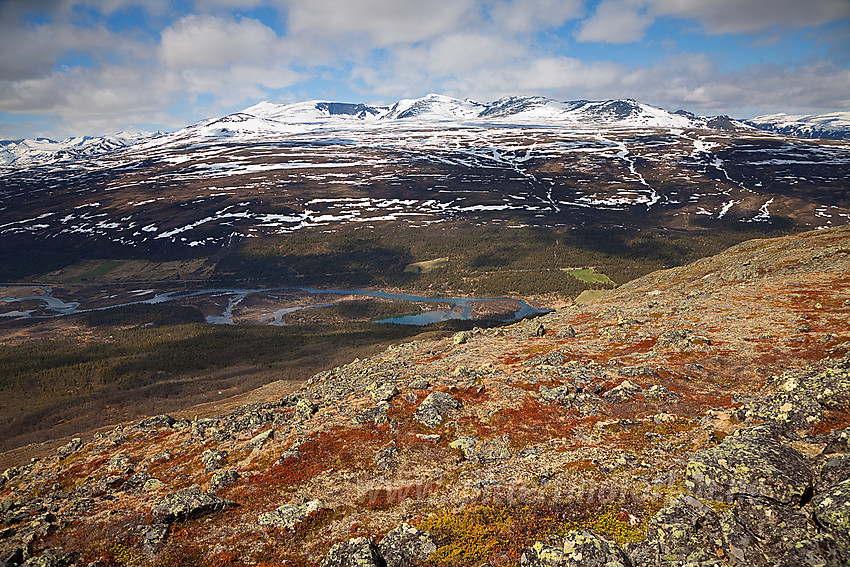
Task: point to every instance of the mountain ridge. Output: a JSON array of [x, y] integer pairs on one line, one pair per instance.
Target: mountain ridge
[[286, 119]]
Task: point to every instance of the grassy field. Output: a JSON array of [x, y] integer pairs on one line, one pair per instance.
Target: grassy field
[[589, 276]]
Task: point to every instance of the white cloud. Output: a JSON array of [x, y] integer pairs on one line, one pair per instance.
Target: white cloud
[[532, 15], [379, 22], [210, 41], [215, 62], [616, 21], [736, 16]]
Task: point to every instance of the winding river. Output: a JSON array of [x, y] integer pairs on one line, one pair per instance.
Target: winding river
[[461, 308]]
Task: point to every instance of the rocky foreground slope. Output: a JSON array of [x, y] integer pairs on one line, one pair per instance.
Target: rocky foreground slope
[[697, 416]]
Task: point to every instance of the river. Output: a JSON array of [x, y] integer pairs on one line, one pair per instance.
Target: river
[[461, 308]]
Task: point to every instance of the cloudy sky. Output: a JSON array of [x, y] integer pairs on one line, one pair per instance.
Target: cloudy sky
[[102, 66]]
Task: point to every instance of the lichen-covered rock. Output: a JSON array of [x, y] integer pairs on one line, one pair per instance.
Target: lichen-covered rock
[[188, 504], [461, 337], [153, 536], [659, 393], [433, 408], [838, 441], [289, 516], [419, 384], [832, 511], [622, 393], [305, 409], [834, 471], [796, 410], [382, 391], [681, 528], [544, 554], [585, 549], [70, 448], [223, 478], [777, 527], [819, 551], [567, 332], [259, 439], [356, 552], [479, 451], [44, 561], [680, 339], [753, 463], [561, 394], [386, 458], [156, 421], [213, 459], [406, 546], [687, 531], [376, 415]]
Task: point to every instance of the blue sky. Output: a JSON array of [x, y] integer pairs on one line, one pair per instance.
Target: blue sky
[[73, 67]]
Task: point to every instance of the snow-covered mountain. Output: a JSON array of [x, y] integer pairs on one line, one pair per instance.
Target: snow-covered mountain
[[273, 169], [22, 153], [833, 125], [315, 111], [266, 119]]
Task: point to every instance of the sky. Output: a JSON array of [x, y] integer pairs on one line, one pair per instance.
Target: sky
[[95, 67]]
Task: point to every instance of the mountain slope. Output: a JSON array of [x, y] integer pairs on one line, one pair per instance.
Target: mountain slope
[[668, 422], [24, 153], [833, 125]]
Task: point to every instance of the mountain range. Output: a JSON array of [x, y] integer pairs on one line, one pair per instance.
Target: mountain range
[[270, 118]]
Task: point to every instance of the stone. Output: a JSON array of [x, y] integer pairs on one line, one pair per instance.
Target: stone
[[683, 530], [386, 458], [465, 445], [156, 421], [70, 448], [622, 393], [223, 478], [544, 554], [777, 527], [794, 409], [433, 408], [43, 561], [213, 459], [290, 515], [560, 394], [382, 391], [834, 471], [259, 439], [152, 485], [832, 511], [305, 409], [153, 536], [188, 504], [821, 550], [659, 393], [567, 332], [462, 337], [376, 415], [419, 384], [483, 452], [356, 552], [751, 462], [406, 546], [585, 549]]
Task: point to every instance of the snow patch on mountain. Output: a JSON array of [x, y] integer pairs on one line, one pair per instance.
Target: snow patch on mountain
[[832, 125], [29, 152]]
